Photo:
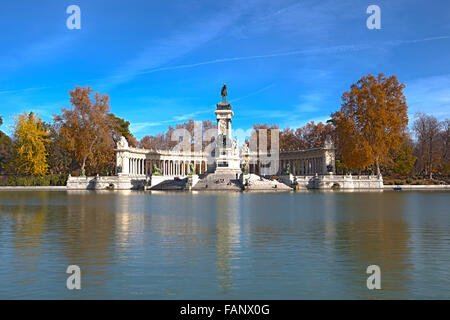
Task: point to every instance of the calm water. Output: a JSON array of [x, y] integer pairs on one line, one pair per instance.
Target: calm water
[[224, 245]]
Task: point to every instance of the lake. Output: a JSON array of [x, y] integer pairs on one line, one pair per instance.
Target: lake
[[187, 245]]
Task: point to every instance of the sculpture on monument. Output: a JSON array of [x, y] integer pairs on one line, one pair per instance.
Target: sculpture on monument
[[224, 92], [122, 143]]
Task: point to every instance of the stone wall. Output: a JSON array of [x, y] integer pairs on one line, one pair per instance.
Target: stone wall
[[104, 183], [331, 180]]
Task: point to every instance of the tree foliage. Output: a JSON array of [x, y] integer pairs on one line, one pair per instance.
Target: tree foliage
[[30, 137], [60, 160], [6, 150], [309, 136], [404, 159], [163, 141], [123, 129], [371, 121], [433, 142], [89, 130]]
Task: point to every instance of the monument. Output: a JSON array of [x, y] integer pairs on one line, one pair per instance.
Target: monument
[[227, 167], [227, 152]]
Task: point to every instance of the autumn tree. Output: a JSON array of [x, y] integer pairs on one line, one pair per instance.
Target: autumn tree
[[255, 135], [163, 141], [30, 139], [6, 150], [60, 160], [289, 140], [371, 121], [88, 129]]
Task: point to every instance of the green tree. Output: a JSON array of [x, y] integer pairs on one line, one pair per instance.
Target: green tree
[[404, 160], [123, 129], [30, 138]]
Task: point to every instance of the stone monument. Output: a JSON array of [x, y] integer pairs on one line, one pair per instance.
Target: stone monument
[[227, 157]]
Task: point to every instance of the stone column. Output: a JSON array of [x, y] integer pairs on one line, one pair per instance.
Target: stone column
[[125, 166]]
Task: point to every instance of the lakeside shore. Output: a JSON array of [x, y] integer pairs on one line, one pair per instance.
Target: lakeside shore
[[386, 187], [37, 188]]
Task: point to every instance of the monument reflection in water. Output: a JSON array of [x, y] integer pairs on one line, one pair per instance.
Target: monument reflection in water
[[224, 245]]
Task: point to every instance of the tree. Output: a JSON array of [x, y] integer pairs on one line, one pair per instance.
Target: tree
[[6, 150], [427, 130], [60, 160], [123, 129], [255, 137], [371, 122], [309, 136], [445, 147], [163, 141], [30, 138], [89, 130], [404, 159]]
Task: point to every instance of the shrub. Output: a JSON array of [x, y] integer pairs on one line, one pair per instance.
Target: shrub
[[34, 181]]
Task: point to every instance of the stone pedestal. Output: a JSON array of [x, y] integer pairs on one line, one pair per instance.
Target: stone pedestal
[[227, 151]]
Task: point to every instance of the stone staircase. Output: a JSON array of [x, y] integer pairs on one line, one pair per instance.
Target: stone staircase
[[218, 181], [258, 183]]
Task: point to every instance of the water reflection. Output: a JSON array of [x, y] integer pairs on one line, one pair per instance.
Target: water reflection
[[228, 237], [224, 245]]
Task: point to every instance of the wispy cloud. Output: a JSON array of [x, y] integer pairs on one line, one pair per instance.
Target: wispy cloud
[[311, 102], [139, 69], [139, 127], [144, 64], [176, 45], [430, 95], [253, 93]]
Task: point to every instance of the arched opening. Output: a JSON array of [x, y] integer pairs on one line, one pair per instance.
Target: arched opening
[[335, 186]]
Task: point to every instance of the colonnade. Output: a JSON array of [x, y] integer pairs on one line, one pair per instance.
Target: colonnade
[[304, 166], [308, 166], [167, 167]]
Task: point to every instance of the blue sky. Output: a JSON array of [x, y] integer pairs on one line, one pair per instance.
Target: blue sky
[[162, 62]]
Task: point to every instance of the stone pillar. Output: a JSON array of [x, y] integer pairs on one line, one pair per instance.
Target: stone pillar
[[126, 165]]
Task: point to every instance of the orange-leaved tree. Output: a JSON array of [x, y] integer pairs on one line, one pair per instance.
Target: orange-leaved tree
[[372, 121], [88, 128]]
